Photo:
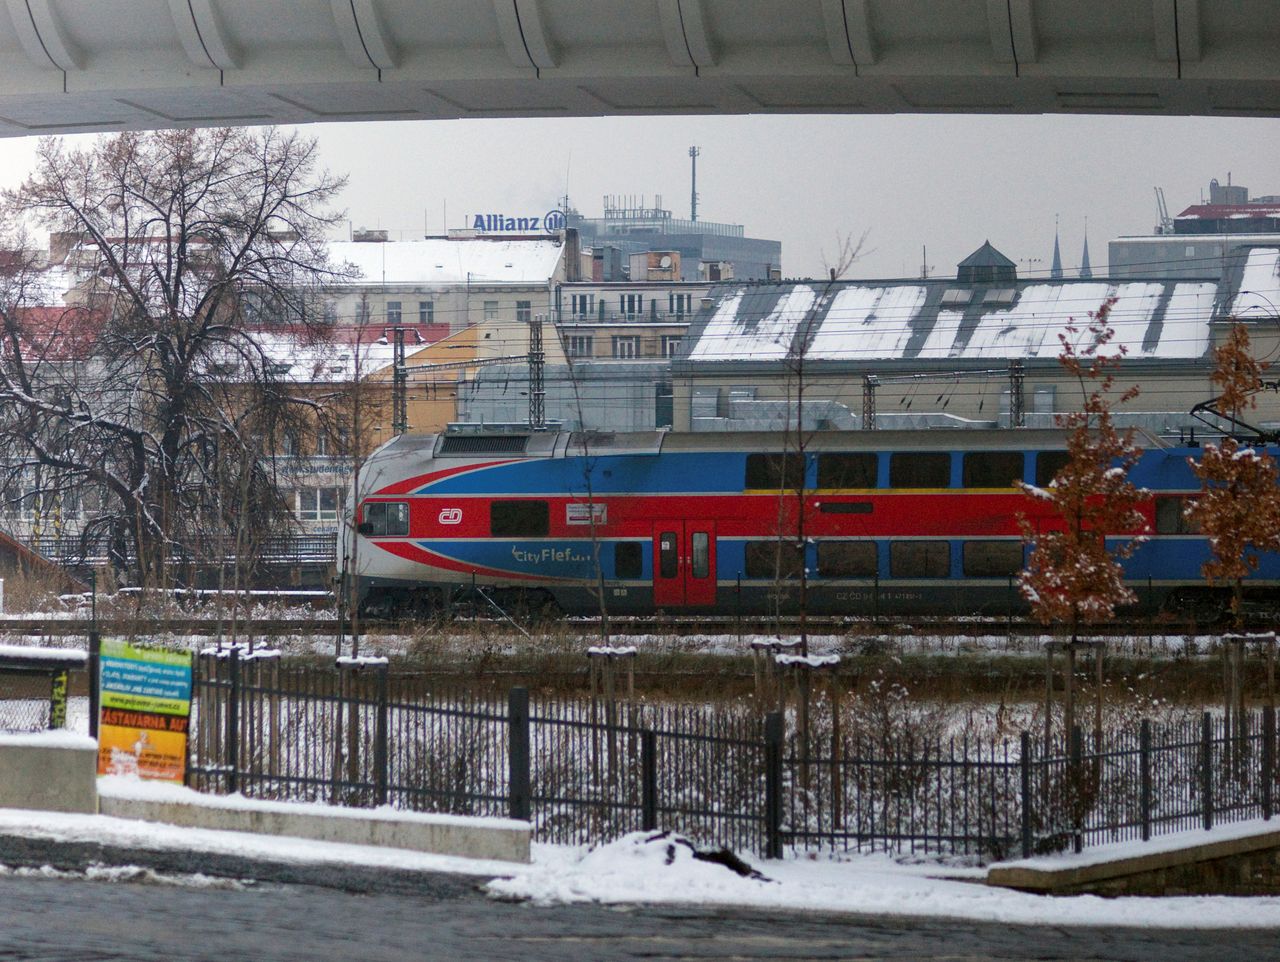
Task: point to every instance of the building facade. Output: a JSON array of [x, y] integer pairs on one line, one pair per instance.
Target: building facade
[[709, 251]]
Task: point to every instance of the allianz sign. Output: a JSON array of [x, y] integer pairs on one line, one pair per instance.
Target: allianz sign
[[551, 221]]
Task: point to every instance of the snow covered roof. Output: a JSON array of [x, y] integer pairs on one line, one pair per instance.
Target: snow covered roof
[[438, 260], [941, 320], [1255, 290], [326, 363], [1219, 211]]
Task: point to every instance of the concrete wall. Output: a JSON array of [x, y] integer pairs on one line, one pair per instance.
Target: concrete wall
[[1185, 864], [49, 771], [497, 839]]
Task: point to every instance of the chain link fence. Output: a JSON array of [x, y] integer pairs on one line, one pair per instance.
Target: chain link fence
[[34, 685]]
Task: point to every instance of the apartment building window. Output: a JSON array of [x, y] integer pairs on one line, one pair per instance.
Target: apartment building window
[[671, 344], [324, 447], [329, 311], [426, 312], [632, 305], [394, 312], [679, 304], [581, 305], [580, 345], [363, 311], [626, 346], [318, 504], [490, 310], [524, 312]]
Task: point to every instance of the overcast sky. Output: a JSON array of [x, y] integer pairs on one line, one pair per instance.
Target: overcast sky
[[942, 182]]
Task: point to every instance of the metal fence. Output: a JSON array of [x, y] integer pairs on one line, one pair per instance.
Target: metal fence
[[278, 550], [588, 770], [34, 684]]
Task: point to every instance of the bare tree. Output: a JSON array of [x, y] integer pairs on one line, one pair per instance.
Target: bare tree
[[187, 247], [1239, 504], [794, 463]]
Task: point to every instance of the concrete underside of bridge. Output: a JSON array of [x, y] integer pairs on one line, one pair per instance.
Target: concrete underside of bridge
[[70, 65]]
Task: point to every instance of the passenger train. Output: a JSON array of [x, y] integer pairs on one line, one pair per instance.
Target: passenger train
[[905, 522]]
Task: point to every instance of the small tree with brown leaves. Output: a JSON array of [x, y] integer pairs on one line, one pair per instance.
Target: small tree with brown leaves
[[1239, 504], [1073, 576]]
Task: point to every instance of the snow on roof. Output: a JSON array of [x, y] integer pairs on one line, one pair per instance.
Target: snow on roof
[[437, 260], [868, 319], [936, 321], [329, 363], [1218, 211], [766, 335], [1259, 291]]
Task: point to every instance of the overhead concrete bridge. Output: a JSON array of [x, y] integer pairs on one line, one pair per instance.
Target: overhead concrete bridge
[[85, 65]]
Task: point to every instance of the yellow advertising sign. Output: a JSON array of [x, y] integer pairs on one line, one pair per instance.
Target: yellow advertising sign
[[145, 698]]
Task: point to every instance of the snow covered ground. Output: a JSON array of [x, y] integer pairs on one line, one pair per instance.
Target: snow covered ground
[[647, 869]]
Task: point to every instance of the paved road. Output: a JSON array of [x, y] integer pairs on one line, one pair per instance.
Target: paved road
[[74, 920]]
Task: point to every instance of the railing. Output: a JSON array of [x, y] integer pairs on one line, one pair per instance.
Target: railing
[[571, 318], [585, 770], [1010, 798], [280, 551]]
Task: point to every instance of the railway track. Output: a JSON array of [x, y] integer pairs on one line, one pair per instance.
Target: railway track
[[619, 627]]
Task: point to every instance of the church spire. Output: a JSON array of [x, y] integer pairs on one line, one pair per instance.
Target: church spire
[[1085, 269], [1056, 270]]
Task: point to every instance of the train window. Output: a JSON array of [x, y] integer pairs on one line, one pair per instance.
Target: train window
[[773, 559], [845, 507], [918, 469], [1171, 517], [1048, 464], [700, 554], [519, 519], [847, 559], [992, 559], [841, 470], [627, 559], [920, 559], [774, 471], [992, 469], [668, 554], [386, 518]]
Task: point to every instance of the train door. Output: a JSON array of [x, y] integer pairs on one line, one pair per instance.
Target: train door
[[684, 564]]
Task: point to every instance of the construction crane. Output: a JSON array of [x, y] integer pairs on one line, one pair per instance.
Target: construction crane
[[1166, 222]]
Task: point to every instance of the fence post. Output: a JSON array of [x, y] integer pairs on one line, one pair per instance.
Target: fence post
[[519, 801], [1144, 766], [233, 720], [648, 780], [95, 680], [1206, 769], [1025, 766], [773, 785], [380, 754], [1268, 760], [1077, 786]]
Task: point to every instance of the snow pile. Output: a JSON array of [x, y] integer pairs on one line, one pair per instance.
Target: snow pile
[[639, 867], [657, 869]]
